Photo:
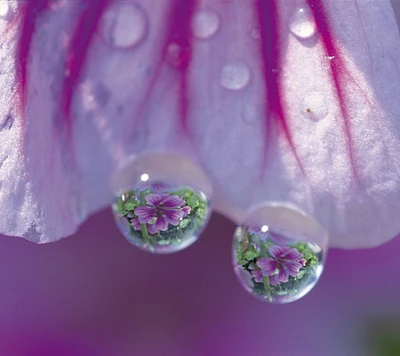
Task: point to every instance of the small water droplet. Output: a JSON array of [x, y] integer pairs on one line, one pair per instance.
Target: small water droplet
[[302, 24], [314, 106], [278, 254], [178, 54], [4, 8], [123, 25], [205, 24], [235, 75], [156, 209]]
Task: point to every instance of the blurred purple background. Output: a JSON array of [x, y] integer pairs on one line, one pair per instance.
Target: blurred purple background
[[95, 294]]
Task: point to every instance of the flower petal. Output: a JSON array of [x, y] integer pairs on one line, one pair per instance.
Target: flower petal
[[342, 168], [267, 265], [172, 201], [156, 199], [161, 223], [145, 214], [173, 217]]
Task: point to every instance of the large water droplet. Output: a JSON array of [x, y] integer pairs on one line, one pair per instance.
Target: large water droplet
[[314, 106], [4, 8], [123, 25], [158, 212], [205, 24], [302, 24], [235, 75], [278, 253]]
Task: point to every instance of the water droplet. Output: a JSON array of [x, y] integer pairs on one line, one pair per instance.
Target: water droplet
[[235, 75], [178, 54], [302, 24], [315, 106], [205, 24], [159, 212], [4, 8], [123, 25], [278, 253]]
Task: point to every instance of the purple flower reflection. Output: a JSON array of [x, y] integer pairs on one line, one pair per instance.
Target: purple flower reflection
[[162, 209], [286, 261]]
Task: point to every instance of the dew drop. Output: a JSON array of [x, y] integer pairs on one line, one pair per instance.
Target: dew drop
[[235, 75], [279, 253], [159, 212], [205, 24], [302, 24], [123, 25], [4, 8], [314, 106]]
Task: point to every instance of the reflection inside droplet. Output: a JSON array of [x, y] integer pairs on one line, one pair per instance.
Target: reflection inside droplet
[[276, 264], [161, 217], [302, 23], [235, 75], [123, 25], [205, 24]]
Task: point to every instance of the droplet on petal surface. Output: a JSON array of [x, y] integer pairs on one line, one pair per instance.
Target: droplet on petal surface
[[161, 215], [205, 24], [302, 24], [278, 253], [4, 8], [235, 75], [123, 25], [314, 106]]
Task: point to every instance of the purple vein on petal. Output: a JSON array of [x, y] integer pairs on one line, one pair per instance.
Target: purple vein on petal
[[178, 32], [180, 20], [29, 13], [339, 71], [270, 33], [79, 45]]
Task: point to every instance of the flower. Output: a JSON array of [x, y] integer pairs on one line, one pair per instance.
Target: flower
[[161, 210], [286, 261], [314, 117]]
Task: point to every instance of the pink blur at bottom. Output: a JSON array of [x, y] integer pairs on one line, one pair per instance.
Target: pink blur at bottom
[[95, 294]]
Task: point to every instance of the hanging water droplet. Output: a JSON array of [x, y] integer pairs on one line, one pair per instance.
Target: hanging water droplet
[[123, 25], [278, 254], [158, 214], [4, 8], [205, 24], [302, 24], [314, 106], [235, 75]]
